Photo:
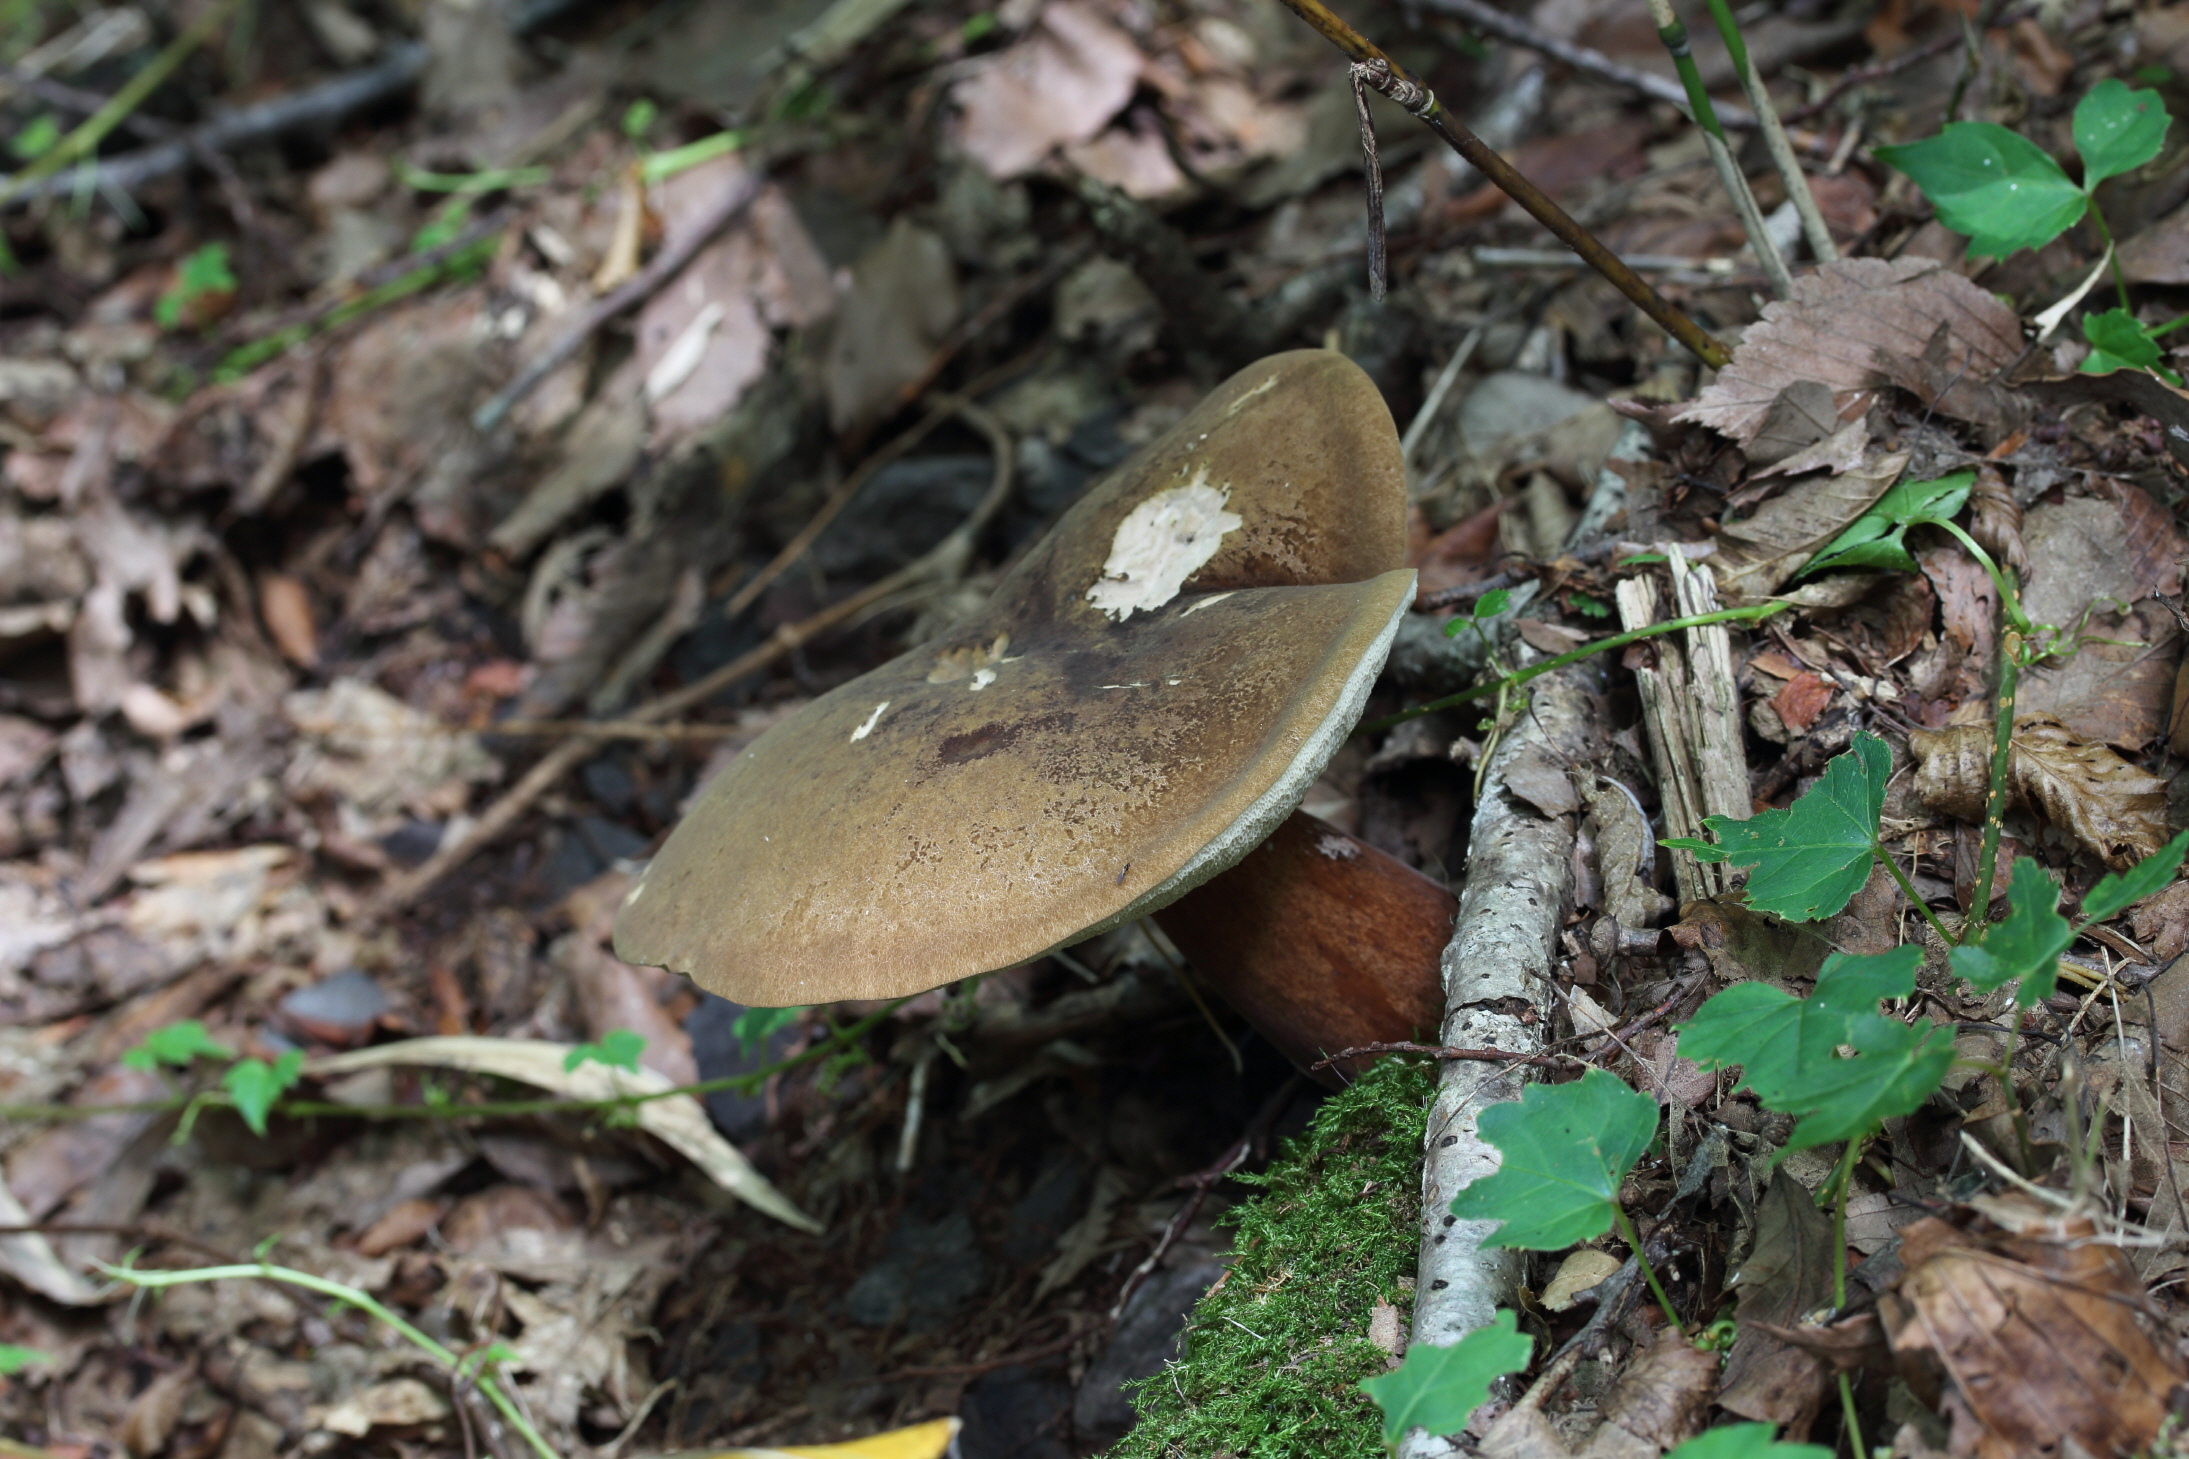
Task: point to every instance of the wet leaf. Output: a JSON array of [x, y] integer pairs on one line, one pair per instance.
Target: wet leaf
[[2026, 945], [1566, 1147], [2150, 875], [1999, 188], [1812, 857], [1439, 1388], [2115, 809], [1745, 1441], [2118, 130]]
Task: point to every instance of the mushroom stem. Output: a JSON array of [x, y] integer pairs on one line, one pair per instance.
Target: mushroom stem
[[1321, 942]]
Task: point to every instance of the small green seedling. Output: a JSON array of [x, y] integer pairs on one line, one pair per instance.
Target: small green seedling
[[2006, 193], [619, 1048], [252, 1084], [176, 1045], [639, 118], [203, 276], [1439, 1388], [37, 138], [755, 1026], [1875, 541], [14, 1359], [1565, 1149]]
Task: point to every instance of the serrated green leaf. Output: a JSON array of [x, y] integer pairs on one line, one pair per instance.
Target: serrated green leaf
[[1811, 858], [2026, 944], [1873, 542], [255, 1084], [1439, 1389], [2118, 130], [2001, 190], [176, 1044], [1776, 1038], [619, 1048], [1745, 1441], [1894, 1069], [2117, 890], [2119, 341], [1566, 1147]]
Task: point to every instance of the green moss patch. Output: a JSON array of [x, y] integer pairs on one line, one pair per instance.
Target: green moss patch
[[1270, 1361]]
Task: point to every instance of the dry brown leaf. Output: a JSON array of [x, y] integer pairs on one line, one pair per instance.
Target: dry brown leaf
[[2037, 1332], [1969, 606], [1787, 1274], [1995, 519], [1802, 699], [2114, 809], [2139, 390], [1758, 555], [1803, 414], [1660, 1399], [1062, 82], [2096, 559], [287, 611], [1842, 450], [1856, 325]]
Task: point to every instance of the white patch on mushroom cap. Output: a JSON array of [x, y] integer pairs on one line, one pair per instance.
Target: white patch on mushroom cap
[[871, 720], [1162, 542]]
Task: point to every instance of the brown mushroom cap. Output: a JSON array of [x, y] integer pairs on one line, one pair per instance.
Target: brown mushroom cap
[[1122, 721]]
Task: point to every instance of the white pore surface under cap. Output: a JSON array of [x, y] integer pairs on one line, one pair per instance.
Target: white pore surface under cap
[[1259, 819], [1162, 542]]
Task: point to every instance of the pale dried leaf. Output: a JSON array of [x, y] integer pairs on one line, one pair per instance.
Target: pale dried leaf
[[286, 609], [1842, 450], [1803, 413], [1578, 1273], [2098, 558], [1995, 519], [2114, 809], [29, 1258], [1756, 556], [678, 1121], [1060, 83], [1842, 321]]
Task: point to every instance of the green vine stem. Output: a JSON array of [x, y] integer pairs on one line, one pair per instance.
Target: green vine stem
[[460, 1368], [1754, 613], [1775, 140], [1649, 1273], [1907, 889], [1373, 68], [1995, 794], [1842, 1182], [493, 1109], [1673, 33]]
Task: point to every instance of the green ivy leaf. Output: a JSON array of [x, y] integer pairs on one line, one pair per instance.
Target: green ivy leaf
[[1778, 1039], [2117, 890], [2000, 189], [1811, 858], [1873, 541], [14, 1359], [255, 1084], [2119, 341], [755, 1026], [1745, 1441], [1893, 1070], [618, 1048], [1439, 1389], [176, 1044], [2027, 944], [2117, 130], [1566, 1147]]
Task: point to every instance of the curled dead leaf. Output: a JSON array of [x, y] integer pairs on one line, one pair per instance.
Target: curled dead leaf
[[2037, 1332], [1995, 519], [2115, 810]]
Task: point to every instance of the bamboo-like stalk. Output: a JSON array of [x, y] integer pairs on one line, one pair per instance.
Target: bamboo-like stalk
[[1674, 35], [1378, 70], [1775, 141]]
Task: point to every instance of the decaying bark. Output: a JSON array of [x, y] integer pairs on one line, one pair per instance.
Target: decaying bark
[[1497, 980]]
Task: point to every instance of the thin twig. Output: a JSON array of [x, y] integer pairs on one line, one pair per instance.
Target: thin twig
[[1387, 76], [1487, 18], [1673, 33], [635, 291], [1821, 246]]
